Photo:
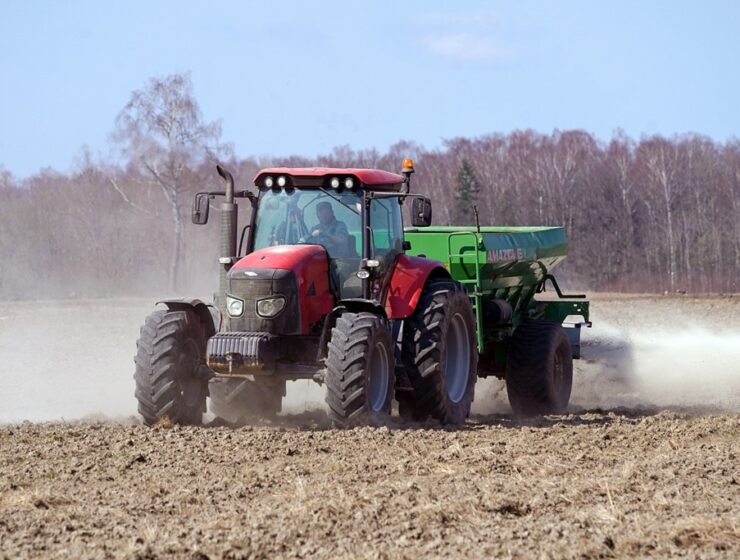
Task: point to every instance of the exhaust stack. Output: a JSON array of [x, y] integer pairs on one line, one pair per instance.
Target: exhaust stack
[[229, 217]]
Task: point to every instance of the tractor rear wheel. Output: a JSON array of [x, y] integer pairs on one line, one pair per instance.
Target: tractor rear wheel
[[539, 369], [240, 401], [171, 375], [360, 371], [440, 355]]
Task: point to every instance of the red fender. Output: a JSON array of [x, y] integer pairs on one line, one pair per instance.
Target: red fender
[[409, 277]]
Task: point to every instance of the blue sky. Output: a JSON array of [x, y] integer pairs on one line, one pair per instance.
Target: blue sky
[[301, 77]]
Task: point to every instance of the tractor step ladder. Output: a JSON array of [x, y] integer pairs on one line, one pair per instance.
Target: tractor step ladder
[[472, 285]]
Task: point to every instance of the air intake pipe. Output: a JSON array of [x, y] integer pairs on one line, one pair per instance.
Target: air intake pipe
[[229, 216]]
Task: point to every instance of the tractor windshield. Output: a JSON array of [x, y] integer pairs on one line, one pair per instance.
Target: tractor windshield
[[318, 217]]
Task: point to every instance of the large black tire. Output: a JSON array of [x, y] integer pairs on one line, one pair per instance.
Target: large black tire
[[539, 369], [360, 371], [170, 377], [241, 401], [440, 355]]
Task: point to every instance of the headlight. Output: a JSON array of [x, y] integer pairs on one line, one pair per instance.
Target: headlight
[[269, 307], [281, 181], [234, 306], [349, 183], [269, 181], [334, 182]]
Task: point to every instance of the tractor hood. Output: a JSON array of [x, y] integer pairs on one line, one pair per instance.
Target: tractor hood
[[299, 273], [284, 257]]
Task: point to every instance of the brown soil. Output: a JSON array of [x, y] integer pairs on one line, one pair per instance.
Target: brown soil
[[646, 465], [617, 484]]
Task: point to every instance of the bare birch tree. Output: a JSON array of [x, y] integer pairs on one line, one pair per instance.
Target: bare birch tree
[[161, 131]]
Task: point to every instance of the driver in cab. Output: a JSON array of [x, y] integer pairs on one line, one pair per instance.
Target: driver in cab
[[329, 232]]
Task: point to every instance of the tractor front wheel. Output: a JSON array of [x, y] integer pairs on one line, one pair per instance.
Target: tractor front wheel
[[171, 375], [440, 355], [539, 369], [360, 371]]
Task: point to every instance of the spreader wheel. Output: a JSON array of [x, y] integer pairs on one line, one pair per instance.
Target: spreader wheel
[[360, 371], [171, 375], [539, 369]]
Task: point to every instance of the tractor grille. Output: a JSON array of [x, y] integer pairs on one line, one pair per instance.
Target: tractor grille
[[236, 350], [253, 284]]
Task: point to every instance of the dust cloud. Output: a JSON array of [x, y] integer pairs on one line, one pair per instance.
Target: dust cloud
[[661, 352], [679, 366], [63, 360], [74, 359], [650, 352]]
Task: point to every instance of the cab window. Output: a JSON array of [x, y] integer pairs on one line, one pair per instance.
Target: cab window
[[386, 227], [310, 216]]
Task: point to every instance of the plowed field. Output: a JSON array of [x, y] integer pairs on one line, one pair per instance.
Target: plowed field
[[646, 464]]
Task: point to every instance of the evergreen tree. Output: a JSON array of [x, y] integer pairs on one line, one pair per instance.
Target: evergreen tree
[[466, 194]]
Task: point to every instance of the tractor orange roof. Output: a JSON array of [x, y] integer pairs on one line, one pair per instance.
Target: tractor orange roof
[[370, 177]]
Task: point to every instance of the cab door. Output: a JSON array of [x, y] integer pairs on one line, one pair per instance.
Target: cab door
[[386, 242]]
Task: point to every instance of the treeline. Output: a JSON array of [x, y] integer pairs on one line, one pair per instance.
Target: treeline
[[655, 214], [658, 214]]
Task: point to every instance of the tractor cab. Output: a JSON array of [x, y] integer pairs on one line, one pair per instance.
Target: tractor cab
[[353, 214]]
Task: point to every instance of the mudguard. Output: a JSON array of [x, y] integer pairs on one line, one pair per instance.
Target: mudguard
[[407, 282], [354, 305], [208, 313]]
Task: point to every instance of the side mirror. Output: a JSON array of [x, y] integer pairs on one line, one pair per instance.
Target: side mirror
[[421, 212], [201, 205]]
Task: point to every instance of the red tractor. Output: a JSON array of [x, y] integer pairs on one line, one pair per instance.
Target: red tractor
[[321, 288]]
